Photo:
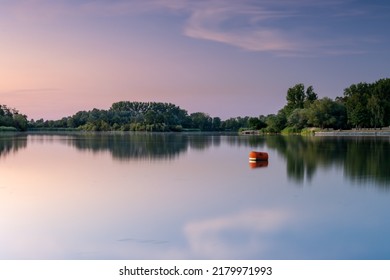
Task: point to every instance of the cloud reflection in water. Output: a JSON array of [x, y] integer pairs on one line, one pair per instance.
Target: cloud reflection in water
[[241, 234]]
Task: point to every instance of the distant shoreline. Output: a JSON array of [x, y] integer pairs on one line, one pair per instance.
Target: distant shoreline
[[350, 132], [310, 132], [355, 132]]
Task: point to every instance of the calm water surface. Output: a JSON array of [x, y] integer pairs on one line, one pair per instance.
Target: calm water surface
[[193, 196]]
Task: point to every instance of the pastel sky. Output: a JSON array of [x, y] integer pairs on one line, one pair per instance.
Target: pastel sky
[[224, 57]]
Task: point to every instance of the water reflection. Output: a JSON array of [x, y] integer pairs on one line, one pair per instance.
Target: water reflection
[[191, 196], [11, 143], [368, 160], [362, 158], [133, 146], [258, 164], [236, 235]]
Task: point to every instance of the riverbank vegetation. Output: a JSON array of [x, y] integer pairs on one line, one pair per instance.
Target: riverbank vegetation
[[362, 105]]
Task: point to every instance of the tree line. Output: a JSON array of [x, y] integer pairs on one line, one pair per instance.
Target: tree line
[[142, 116], [362, 105]]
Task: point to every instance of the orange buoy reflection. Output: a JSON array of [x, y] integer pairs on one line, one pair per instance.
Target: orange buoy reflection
[[258, 164]]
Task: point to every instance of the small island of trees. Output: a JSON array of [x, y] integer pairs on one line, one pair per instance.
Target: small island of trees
[[362, 105]]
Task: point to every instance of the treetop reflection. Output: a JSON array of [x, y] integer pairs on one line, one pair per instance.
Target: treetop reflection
[[11, 143], [362, 158]]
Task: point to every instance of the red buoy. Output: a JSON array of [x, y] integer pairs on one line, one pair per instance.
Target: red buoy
[[258, 156]]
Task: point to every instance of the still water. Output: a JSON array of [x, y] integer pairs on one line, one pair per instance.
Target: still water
[[193, 196]]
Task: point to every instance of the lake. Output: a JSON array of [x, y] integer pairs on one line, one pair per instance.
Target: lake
[[193, 196]]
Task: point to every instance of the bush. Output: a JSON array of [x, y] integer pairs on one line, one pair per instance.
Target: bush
[[290, 130], [7, 129], [309, 131]]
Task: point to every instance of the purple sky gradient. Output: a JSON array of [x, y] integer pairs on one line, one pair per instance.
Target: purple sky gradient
[[226, 58]]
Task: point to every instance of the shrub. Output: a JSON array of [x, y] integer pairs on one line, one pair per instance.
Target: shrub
[[7, 129]]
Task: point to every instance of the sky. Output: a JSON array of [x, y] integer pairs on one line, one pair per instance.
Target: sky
[[227, 58]]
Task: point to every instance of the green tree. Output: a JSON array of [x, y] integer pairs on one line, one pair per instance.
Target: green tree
[[276, 123], [381, 91], [20, 122], [295, 98], [310, 96], [201, 120], [6, 116], [376, 110], [298, 118], [216, 125], [231, 124], [298, 98], [10, 117], [326, 113], [256, 123], [356, 99]]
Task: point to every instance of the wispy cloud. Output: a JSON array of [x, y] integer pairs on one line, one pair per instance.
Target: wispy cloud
[[240, 26], [28, 91], [147, 241], [33, 90], [280, 27], [284, 28]]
